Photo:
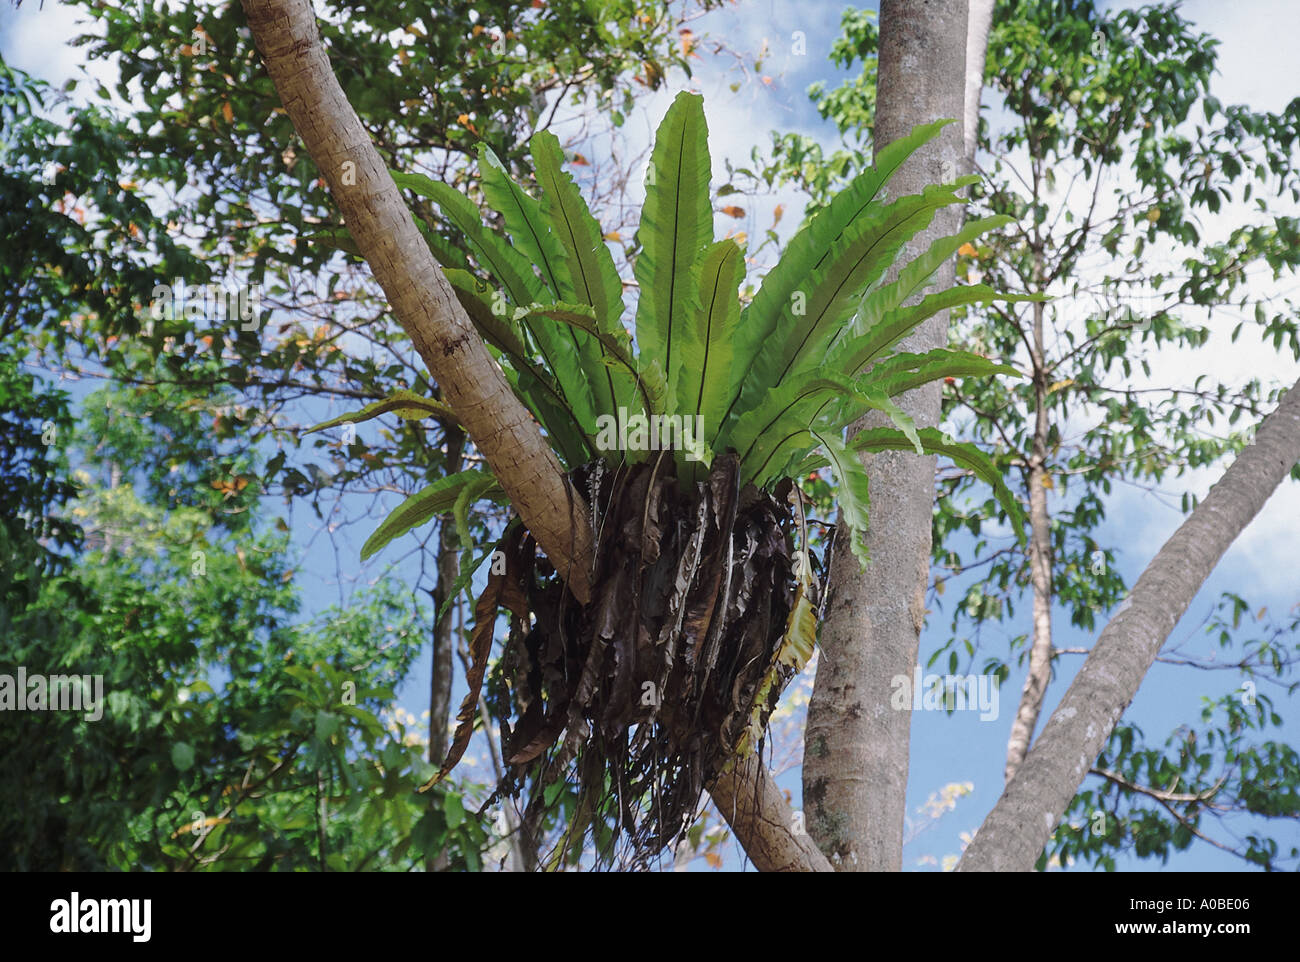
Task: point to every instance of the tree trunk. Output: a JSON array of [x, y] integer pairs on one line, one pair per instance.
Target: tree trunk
[[444, 644], [422, 300], [1022, 821], [1040, 557], [856, 746], [444, 641], [979, 23]]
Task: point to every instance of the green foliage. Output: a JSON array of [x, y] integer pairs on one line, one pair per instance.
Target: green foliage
[[453, 491], [75, 298], [676, 228], [777, 376], [405, 404], [230, 735], [33, 476]]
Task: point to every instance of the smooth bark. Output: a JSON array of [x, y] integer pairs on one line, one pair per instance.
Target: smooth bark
[[978, 24], [856, 746], [422, 300], [1022, 821], [757, 812]]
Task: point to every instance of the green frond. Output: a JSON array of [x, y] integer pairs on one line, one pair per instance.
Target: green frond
[[405, 404], [676, 227], [438, 498]]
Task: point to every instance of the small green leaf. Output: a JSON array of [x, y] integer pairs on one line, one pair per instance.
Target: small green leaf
[[183, 756], [454, 811]]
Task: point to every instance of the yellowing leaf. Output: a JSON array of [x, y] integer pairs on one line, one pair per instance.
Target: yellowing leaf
[[227, 112], [197, 826], [967, 250], [714, 860], [731, 210], [1059, 385]]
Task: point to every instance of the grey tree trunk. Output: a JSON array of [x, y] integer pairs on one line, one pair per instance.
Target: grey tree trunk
[[1022, 821], [978, 24], [856, 745]]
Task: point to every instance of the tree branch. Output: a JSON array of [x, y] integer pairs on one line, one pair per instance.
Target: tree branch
[[1013, 835], [423, 302], [757, 812]]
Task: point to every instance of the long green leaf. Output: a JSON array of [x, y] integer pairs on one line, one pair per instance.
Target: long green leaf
[[914, 277], [859, 350], [831, 292], [590, 266], [960, 453], [534, 385], [811, 400], [437, 498], [405, 404], [617, 344], [531, 231], [704, 388], [527, 228], [904, 372], [808, 248], [676, 227], [851, 486], [511, 269]]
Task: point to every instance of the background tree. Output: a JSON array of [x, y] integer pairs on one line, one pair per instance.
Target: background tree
[[188, 109], [856, 755], [232, 734]]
